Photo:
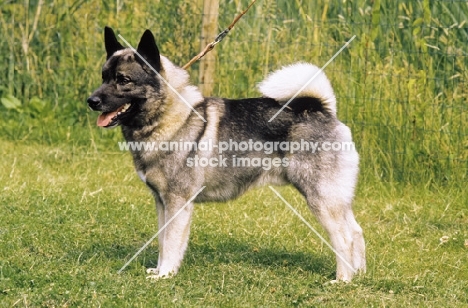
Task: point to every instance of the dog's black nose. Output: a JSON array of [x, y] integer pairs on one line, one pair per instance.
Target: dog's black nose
[[94, 102]]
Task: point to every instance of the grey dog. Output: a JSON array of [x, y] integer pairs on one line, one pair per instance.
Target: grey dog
[[232, 145]]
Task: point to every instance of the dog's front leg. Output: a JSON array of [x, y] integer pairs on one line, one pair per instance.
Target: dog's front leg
[[161, 222], [174, 236]]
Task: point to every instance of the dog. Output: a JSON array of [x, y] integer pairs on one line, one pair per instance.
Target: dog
[[153, 102]]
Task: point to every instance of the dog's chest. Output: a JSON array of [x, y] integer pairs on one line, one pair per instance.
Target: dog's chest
[[142, 175]]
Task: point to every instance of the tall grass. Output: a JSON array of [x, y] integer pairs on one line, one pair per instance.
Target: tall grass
[[401, 85]]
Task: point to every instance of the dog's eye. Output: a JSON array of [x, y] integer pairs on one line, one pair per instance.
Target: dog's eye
[[123, 80]]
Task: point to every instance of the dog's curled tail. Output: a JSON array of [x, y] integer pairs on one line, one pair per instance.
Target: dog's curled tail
[[299, 80]]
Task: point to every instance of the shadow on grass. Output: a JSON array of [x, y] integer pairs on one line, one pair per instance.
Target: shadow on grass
[[221, 249], [230, 251]]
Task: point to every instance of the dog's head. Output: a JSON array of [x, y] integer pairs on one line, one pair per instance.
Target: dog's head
[[128, 77]]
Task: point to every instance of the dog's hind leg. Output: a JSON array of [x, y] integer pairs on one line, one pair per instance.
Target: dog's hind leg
[[173, 240], [359, 247], [345, 235], [329, 196]]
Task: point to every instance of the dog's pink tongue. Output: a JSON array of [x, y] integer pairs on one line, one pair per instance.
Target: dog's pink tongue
[[105, 118]]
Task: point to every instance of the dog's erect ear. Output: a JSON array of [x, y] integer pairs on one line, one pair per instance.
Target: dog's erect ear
[[149, 51], [112, 45]]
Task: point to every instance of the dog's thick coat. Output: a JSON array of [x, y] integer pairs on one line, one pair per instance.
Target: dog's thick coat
[[148, 96]]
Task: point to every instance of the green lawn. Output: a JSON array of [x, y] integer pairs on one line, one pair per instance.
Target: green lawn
[[73, 215]]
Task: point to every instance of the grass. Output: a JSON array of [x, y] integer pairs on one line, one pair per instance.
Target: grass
[[73, 215]]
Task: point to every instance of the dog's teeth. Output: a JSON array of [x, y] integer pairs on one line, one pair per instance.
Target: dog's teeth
[[125, 107]]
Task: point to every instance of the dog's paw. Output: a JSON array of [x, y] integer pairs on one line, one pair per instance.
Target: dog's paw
[[157, 277], [152, 270], [155, 274], [335, 281]]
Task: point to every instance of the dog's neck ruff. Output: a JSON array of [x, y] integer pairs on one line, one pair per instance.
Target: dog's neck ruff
[[175, 97]]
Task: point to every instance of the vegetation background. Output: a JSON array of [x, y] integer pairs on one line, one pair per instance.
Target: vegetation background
[[68, 195]]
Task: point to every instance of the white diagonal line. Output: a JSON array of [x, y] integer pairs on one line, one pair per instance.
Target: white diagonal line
[[160, 230], [313, 77], [159, 75], [312, 228]]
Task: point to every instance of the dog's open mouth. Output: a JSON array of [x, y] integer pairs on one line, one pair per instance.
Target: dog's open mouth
[[111, 119]]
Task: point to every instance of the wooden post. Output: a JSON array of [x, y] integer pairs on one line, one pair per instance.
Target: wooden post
[[209, 32]]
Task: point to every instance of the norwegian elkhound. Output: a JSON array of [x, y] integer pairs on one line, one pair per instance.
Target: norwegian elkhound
[[182, 142]]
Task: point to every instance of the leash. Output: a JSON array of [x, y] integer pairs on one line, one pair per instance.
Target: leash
[[218, 38]]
